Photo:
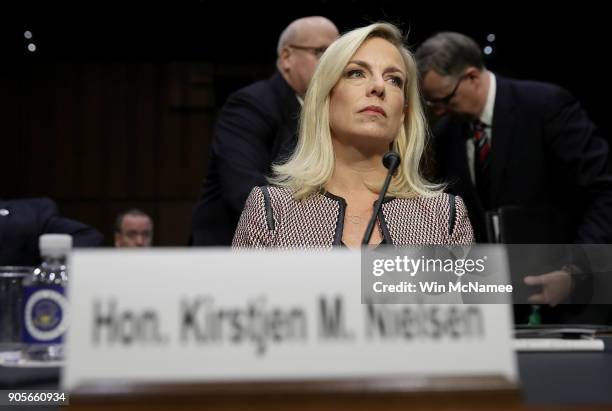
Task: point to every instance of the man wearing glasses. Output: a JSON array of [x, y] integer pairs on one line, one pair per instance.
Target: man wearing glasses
[[502, 143], [257, 127]]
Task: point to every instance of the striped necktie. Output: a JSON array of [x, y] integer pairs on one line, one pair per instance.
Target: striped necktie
[[482, 148], [482, 145]]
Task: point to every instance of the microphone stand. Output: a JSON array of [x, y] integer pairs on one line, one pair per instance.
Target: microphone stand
[[391, 160]]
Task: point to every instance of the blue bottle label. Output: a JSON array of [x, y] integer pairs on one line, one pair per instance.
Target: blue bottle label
[[45, 314]]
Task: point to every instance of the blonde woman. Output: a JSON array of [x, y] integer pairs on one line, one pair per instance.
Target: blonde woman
[[363, 100]]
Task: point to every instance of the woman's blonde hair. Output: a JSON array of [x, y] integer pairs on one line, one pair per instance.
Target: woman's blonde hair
[[312, 163]]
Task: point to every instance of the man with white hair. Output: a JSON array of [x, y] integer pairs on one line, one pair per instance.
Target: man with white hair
[[256, 128]]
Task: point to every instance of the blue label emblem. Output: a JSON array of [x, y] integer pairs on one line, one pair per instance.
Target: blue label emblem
[[45, 314]]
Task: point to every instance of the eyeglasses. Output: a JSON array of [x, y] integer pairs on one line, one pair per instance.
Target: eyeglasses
[[445, 101], [316, 51]]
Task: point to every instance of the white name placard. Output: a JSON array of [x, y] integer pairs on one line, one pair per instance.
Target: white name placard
[[187, 315]]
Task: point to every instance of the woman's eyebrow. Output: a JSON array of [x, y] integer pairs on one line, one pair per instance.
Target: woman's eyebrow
[[365, 64]]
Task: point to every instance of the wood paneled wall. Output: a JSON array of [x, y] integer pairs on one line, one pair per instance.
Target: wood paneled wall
[[103, 137]]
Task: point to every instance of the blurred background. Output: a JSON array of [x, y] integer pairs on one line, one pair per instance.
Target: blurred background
[[111, 105]]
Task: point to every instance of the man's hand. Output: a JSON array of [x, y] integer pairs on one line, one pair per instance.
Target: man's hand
[[556, 287]]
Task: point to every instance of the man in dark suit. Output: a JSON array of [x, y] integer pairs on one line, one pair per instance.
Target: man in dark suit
[[256, 128], [504, 143], [22, 221]]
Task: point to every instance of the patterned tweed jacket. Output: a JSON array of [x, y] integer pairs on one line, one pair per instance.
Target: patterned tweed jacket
[[272, 218]]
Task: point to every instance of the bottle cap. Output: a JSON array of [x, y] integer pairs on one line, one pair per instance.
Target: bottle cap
[[55, 244]]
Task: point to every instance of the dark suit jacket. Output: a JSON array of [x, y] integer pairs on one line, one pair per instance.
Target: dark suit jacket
[[256, 128], [22, 221], [545, 155]]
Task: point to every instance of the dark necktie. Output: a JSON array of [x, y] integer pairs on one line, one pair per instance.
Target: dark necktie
[[482, 173]]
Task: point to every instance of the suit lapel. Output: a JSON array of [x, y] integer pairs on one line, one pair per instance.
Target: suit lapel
[[286, 140], [450, 146], [458, 172], [504, 122]]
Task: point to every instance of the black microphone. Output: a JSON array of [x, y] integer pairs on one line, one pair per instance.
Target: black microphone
[[391, 160]]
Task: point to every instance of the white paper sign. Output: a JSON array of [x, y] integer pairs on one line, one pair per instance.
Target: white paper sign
[[187, 315]]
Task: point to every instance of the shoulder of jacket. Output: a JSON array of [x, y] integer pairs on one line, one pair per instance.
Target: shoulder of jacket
[[275, 199]]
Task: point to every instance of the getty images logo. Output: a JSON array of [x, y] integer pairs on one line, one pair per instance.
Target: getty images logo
[[412, 266]]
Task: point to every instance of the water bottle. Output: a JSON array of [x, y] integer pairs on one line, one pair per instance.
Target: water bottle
[[45, 307]]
